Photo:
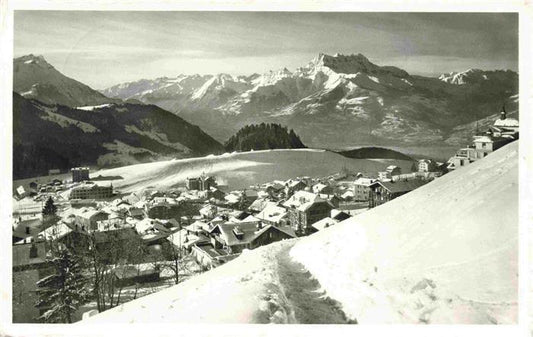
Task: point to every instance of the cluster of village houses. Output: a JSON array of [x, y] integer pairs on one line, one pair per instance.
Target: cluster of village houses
[[503, 131], [206, 221]]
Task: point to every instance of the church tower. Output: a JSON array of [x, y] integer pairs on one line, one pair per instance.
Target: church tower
[[503, 114]]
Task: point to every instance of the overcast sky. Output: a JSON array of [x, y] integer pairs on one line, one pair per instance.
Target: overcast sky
[[106, 48]]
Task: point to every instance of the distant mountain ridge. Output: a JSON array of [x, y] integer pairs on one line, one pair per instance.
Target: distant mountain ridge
[[333, 101]]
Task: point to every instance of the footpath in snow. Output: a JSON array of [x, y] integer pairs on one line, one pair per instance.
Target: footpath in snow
[[261, 286], [305, 296]]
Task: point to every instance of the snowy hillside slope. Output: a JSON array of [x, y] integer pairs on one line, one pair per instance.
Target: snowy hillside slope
[[240, 170], [444, 253]]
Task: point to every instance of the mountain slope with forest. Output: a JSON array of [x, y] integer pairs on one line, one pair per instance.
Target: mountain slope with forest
[[52, 136]]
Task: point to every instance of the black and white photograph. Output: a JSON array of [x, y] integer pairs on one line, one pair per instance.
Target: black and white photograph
[[265, 167]]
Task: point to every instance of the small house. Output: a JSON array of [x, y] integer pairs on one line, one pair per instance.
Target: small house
[[305, 208], [384, 191]]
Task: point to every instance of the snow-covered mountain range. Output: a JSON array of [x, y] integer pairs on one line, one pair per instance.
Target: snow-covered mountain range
[[332, 101]]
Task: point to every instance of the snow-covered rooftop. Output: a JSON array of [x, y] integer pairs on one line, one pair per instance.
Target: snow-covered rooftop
[[508, 122]]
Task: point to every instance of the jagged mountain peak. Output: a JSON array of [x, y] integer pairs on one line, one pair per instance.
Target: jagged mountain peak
[[32, 59], [352, 64], [34, 77]]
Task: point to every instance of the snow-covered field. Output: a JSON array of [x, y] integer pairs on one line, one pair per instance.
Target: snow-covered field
[[240, 170], [445, 253]]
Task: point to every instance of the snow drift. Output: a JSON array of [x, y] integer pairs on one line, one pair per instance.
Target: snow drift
[[445, 253]]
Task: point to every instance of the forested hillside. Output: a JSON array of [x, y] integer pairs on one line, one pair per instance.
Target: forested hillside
[[263, 137]]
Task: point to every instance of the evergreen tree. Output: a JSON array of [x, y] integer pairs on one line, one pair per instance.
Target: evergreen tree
[[49, 209], [64, 290]]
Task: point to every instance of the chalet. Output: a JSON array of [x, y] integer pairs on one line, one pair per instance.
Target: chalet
[[197, 227], [274, 187], [293, 186], [427, 165], [258, 205], [333, 199], [29, 266], [88, 218], [162, 208], [136, 212], [461, 158], [108, 241], [127, 275], [383, 191], [347, 196], [26, 226], [72, 237], [384, 175], [184, 239], [250, 195], [305, 208], [234, 238], [321, 188], [146, 226], [208, 256], [208, 211], [394, 170], [339, 215], [233, 198], [487, 144], [323, 224], [361, 188], [272, 214], [215, 193]]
